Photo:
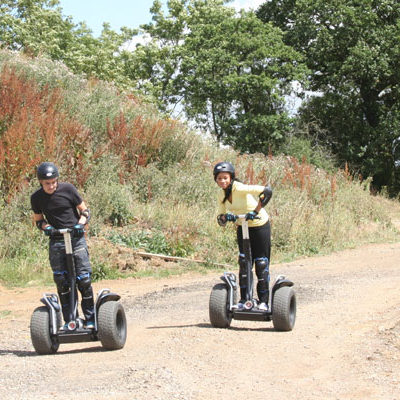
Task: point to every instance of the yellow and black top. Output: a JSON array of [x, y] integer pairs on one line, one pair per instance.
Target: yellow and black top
[[244, 200]]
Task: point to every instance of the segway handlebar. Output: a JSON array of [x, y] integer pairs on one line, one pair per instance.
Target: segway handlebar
[[242, 216], [61, 231]]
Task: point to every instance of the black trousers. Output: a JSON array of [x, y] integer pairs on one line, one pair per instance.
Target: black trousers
[[260, 244], [260, 241]]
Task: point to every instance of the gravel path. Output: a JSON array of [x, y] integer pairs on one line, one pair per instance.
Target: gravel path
[[345, 345]]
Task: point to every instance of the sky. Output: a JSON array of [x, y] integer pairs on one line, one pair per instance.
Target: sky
[[118, 13]]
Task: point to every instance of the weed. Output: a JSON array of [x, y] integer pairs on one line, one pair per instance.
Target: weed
[[148, 180], [5, 313]]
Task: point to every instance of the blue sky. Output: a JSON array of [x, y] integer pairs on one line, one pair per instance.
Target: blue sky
[[118, 13]]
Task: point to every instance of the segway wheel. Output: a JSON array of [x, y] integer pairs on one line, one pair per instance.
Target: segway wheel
[[220, 316], [284, 309], [112, 325], [43, 342]]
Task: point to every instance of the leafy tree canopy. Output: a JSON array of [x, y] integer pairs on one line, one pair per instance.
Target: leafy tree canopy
[[38, 27], [352, 48], [229, 72]]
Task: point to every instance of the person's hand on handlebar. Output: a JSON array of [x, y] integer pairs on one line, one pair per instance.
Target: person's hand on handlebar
[[250, 216], [79, 230], [231, 217], [49, 230]]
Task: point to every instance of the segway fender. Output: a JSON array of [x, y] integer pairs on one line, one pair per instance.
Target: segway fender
[[230, 279], [104, 296], [281, 281], [51, 302]]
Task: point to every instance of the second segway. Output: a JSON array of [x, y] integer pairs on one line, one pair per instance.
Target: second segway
[[223, 297]]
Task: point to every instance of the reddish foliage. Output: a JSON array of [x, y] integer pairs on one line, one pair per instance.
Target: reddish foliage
[[137, 142], [34, 129], [298, 174]]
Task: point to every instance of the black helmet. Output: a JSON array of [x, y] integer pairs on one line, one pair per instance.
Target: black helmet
[[224, 166], [47, 170]]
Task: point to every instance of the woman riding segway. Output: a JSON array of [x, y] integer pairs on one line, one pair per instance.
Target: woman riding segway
[[237, 198]]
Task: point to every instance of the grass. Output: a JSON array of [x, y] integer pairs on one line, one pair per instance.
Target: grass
[[5, 313], [148, 181]]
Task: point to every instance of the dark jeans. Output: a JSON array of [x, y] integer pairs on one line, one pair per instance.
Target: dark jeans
[[83, 271]]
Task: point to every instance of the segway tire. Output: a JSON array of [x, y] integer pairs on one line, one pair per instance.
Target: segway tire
[[284, 309], [42, 341], [112, 325], [220, 316]]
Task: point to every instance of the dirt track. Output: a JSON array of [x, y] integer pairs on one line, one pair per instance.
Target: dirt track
[[345, 345]]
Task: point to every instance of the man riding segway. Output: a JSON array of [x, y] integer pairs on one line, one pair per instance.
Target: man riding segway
[[58, 205]]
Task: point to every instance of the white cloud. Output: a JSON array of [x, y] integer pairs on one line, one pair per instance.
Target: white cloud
[[246, 4], [130, 45]]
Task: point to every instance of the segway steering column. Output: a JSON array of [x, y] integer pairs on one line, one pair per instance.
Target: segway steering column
[[72, 324]]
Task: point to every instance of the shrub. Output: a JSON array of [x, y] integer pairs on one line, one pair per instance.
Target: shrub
[[109, 200]]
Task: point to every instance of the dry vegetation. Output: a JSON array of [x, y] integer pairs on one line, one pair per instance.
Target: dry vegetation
[[148, 180]]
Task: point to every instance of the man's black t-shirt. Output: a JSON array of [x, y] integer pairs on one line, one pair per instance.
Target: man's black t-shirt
[[59, 208]]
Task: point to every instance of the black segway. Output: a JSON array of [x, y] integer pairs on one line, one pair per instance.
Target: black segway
[[223, 297], [46, 321]]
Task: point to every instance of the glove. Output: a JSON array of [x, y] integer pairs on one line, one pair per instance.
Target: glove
[[250, 216], [221, 220], [230, 217], [48, 231], [79, 230]]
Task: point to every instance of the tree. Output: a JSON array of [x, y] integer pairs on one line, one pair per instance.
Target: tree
[[37, 27], [229, 72], [352, 48]]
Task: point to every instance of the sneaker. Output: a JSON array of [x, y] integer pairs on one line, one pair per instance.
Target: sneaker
[[238, 306], [64, 327], [89, 325], [263, 307]]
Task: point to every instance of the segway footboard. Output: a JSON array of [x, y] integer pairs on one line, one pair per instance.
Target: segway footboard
[[252, 315]]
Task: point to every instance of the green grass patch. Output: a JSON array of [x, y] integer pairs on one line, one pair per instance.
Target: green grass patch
[[5, 313]]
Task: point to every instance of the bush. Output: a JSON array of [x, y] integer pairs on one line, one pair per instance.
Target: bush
[[152, 178], [152, 242], [109, 201]]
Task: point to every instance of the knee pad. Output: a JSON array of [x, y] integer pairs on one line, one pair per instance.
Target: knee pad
[[262, 271], [84, 283], [262, 268], [61, 281]]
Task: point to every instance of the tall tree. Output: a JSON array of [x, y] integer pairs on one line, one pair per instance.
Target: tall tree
[[352, 48], [38, 27], [229, 72]]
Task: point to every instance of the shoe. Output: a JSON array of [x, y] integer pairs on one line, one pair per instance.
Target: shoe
[[238, 306], [64, 327], [263, 307], [89, 325]]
